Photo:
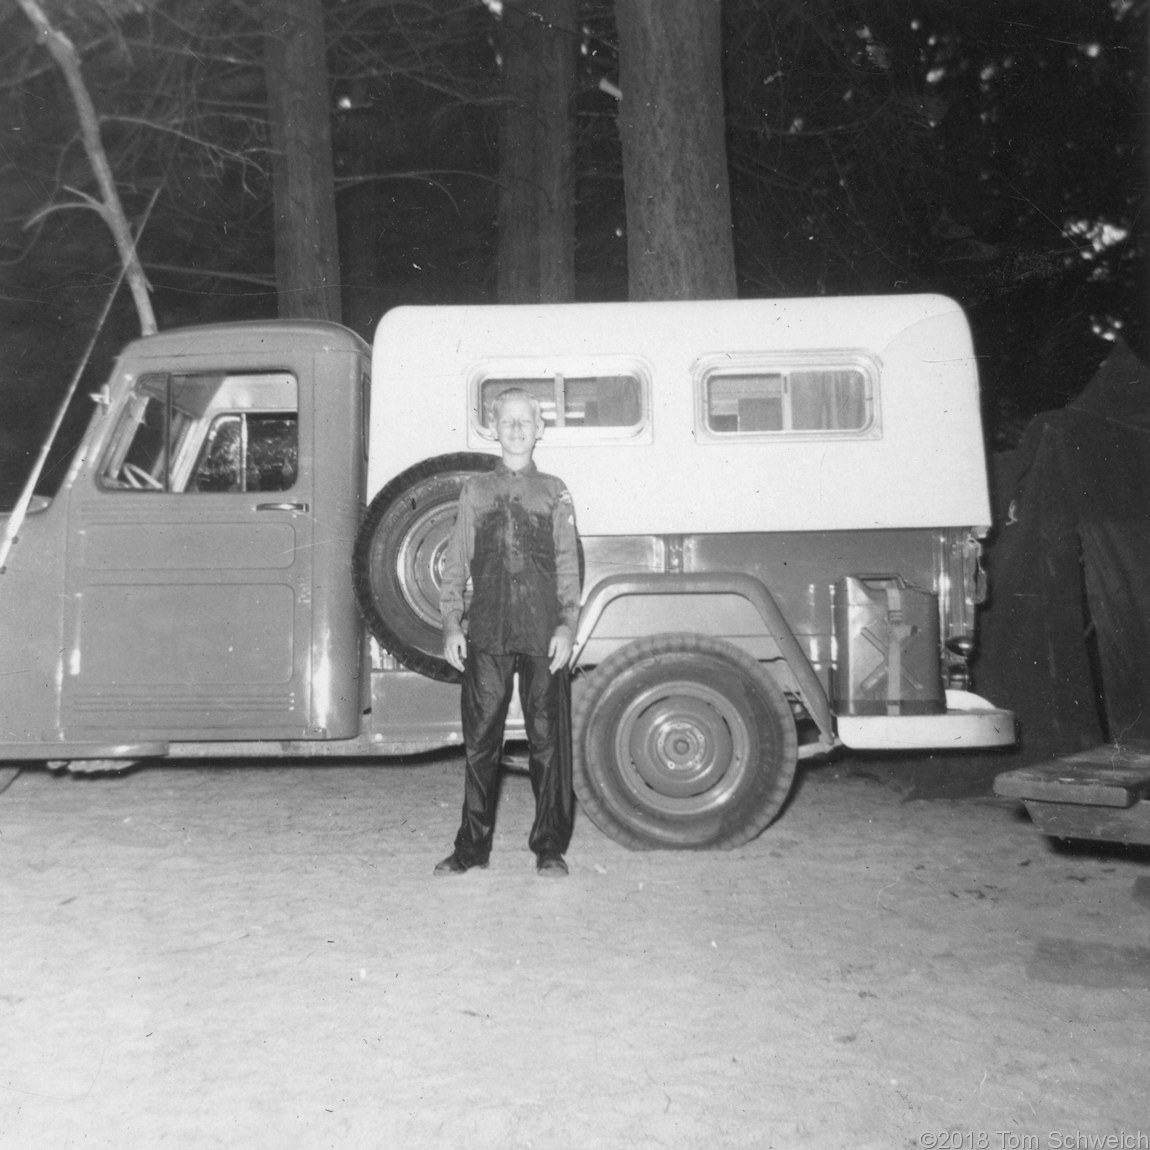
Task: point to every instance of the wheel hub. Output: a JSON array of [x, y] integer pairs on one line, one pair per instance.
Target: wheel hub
[[420, 557], [680, 746]]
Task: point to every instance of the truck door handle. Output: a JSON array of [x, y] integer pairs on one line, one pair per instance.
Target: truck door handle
[[281, 506]]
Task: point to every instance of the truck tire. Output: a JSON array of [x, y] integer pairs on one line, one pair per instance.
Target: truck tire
[[397, 563], [682, 741]]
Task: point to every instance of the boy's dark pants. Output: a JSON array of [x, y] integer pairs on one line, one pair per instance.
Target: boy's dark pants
[[487, 687]]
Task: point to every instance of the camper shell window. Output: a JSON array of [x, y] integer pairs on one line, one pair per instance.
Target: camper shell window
[[584, 405], [749, 399]]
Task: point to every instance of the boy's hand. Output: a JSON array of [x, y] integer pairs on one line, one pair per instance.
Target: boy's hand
[[455, 648], [559, 649]]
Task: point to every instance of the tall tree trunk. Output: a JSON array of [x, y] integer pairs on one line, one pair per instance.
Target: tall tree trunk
[[671, 121], [109, 206], [364, 290], [303, 177], [536, 152]]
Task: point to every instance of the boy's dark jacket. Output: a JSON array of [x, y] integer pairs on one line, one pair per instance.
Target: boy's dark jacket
[[515, 537]]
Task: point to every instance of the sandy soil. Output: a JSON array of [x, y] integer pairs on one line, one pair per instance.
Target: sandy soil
[[260, 957]]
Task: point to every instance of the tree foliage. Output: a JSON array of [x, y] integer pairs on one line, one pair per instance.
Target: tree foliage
[[179, 92], [995, 152], [992, 152]]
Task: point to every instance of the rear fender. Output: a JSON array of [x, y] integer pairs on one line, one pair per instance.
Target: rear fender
[[746, 587]]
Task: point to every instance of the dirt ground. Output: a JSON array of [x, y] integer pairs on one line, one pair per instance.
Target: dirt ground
[[260, 957]]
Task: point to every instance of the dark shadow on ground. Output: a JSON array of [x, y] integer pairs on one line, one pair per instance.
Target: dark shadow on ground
[[927, 775]]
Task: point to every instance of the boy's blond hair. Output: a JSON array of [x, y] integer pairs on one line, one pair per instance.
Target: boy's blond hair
[[516, 393]]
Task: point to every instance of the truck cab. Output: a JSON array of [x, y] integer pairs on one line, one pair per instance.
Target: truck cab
[[780, 504], [188, 583]]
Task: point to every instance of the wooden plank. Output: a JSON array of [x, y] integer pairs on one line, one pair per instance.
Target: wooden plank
[[1101, 777], [1107, 824]]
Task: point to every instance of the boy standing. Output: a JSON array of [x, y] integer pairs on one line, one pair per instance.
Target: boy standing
[[515, 537]]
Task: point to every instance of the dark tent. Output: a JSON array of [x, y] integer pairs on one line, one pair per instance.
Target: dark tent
[[1065, 639]]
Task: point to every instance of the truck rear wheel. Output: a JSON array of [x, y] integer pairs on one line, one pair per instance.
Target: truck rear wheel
[[682, 741], [397, 563]]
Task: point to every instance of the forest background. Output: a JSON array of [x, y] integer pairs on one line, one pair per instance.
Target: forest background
[[458, 151]]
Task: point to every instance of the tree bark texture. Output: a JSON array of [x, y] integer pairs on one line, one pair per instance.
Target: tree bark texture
[[303, 175], [110, 208], [536, 152], [671, 120], [365, 291]]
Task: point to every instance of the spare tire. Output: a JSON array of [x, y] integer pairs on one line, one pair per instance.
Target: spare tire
[[397, 564]]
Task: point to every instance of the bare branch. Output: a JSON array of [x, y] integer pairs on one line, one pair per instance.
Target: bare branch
[[64, 53], [84, 202]]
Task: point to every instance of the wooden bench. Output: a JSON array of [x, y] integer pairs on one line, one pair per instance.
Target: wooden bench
[[1103, 793]]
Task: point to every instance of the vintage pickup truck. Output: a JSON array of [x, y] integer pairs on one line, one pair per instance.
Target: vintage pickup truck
[[779, 501]]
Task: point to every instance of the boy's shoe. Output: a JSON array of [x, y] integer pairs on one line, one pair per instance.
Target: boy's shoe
[[551, 864], [455, 864]]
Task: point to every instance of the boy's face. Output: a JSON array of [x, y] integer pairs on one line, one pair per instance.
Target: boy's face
[[518, 430]]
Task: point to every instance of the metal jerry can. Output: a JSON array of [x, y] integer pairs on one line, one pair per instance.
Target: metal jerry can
[[887, 639]]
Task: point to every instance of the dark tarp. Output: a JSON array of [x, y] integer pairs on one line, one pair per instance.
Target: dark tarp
[[1065, 640]]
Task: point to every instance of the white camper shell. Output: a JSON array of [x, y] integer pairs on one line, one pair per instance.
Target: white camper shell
[[829, 414]]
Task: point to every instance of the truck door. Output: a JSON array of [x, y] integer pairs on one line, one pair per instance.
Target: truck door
[[188, 567]]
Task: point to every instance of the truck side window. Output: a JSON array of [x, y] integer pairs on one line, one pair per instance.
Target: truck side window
[[210, 432], [753, 402], [247, 452], [612, 402]]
